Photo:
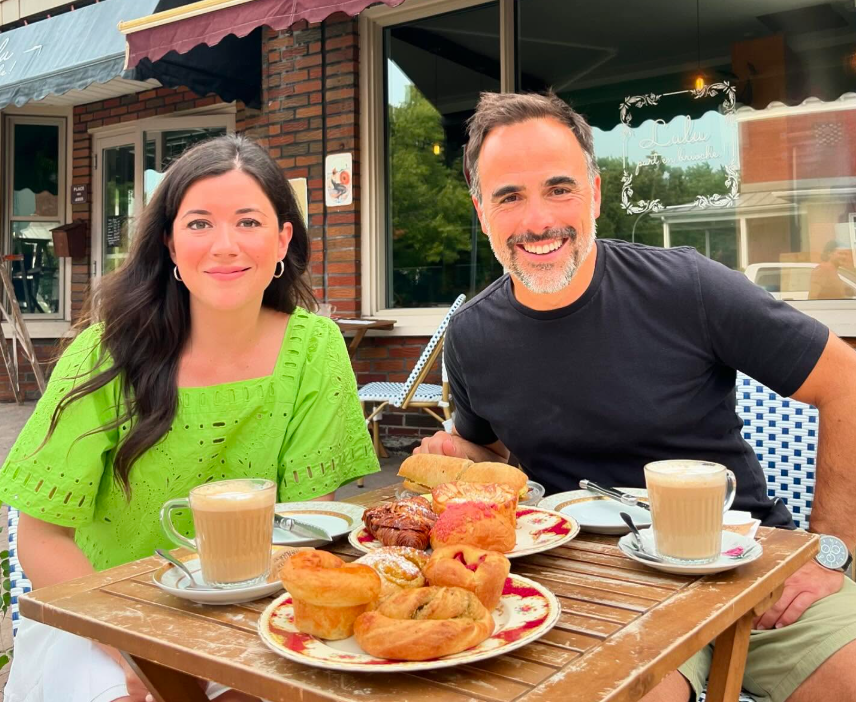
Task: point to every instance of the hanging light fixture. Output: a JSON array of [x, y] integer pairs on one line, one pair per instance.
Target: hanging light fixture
[[699, 81]]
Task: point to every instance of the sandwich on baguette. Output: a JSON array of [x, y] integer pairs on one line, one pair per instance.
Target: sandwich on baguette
[[425, 471]]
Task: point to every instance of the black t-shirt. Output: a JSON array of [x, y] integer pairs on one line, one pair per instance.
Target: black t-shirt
[[640, 368]]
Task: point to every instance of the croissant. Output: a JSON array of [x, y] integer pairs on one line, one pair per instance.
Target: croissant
[[407, 522]]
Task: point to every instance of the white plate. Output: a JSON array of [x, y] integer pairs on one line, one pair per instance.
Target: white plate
[[537, 530], [730, 542], [170, 579], [526, 611], [336, 518], [596, 513]]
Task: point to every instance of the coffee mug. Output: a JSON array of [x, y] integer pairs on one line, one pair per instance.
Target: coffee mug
[[688, 499], [233, 520]]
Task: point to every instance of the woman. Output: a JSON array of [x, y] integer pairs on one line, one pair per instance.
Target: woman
[[202, 366]]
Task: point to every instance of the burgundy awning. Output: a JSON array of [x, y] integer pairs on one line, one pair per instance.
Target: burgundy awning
[[209, 21]]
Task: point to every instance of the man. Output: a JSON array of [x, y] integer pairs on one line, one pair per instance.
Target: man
[[606, 355], [825, 283]]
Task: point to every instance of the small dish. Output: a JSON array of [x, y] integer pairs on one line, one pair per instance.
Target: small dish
[[170, 579], [733, 548], [596, 513], [336, 518]]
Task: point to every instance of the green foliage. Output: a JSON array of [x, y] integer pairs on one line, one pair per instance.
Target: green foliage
[[5, 602], [669, 184]]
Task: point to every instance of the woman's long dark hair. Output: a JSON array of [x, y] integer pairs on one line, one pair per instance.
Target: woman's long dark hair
[[146, 311]]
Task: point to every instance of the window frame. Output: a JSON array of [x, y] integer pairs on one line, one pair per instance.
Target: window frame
[[9, 218], [838, 315]]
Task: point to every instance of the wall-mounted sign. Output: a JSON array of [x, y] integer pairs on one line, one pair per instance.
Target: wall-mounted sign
[[79, 194], [681, 143], [338, 188], [113, 227]]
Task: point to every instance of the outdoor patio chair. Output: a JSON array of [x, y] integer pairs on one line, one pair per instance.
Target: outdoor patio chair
[[412, 393], [783, 433]]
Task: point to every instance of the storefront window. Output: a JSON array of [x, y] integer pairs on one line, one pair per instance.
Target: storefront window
[[36, 205], [729, 127], [435, 70]]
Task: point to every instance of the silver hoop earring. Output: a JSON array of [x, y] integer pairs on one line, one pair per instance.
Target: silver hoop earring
[[176, 275], [280, 271]]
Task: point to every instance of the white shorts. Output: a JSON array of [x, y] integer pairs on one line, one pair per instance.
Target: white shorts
[[51, 665]]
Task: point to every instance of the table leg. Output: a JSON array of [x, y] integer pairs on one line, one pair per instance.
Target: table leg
[[729, 661], [355, 342], [166, 684]]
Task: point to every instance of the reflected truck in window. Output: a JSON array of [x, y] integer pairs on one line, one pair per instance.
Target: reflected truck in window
[[792, 281]]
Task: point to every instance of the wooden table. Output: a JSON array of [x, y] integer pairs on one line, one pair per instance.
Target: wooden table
[[623, 628], [360, 327]]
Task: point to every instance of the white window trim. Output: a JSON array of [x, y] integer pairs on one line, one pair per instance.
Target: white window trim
[[409, 321], [838, 315]]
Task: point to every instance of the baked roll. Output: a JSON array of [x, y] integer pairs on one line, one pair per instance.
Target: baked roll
[[327, 593], [474, 524], [481, 572], [399, 567], [424, 623]]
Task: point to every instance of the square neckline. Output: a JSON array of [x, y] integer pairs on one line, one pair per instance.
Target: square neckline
[[286, 337]]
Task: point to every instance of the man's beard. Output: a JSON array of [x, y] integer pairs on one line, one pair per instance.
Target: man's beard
[[546, 278]]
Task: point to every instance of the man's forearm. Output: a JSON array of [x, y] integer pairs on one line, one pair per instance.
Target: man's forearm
[[475, 452], [832, 509]]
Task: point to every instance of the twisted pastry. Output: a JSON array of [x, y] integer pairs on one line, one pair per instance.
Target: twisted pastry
[[423, 623]]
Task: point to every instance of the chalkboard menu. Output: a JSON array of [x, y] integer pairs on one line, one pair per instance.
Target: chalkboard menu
[[113, 227]]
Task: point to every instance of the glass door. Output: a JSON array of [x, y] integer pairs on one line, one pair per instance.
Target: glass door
[[116, 176]]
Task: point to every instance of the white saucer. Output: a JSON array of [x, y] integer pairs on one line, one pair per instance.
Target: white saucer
[[336, 518], [170, 579], [596, 513], [730, 541]]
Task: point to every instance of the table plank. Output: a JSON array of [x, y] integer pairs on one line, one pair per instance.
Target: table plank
[[628, 664]]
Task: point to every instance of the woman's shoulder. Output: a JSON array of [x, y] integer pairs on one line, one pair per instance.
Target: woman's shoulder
[[86, 350]]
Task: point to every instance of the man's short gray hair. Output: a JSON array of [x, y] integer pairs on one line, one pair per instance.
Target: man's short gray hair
[[502, 109]]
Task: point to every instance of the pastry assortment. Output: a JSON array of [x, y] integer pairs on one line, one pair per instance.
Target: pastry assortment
[[399, 602]]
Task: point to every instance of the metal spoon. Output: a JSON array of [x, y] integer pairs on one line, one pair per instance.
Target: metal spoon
[[183, 568], [640, 548]]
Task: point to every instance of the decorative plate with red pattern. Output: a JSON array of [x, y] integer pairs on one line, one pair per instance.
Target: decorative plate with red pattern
[[526, 611], [537, 530]]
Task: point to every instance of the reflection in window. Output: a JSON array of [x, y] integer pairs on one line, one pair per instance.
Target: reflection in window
[[793, 129], [162, 148], [436, 69], [35, 277], [35, 209]]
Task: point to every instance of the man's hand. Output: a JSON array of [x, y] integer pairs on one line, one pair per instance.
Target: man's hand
[[809, 584], [442, 444]]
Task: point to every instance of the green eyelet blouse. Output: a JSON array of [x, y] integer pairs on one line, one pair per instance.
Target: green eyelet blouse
[[302, 426]]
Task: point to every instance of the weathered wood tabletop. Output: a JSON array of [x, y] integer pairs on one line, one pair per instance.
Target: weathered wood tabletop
[[623, 628]]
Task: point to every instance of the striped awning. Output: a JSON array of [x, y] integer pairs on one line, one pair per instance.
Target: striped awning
[[209, 21]]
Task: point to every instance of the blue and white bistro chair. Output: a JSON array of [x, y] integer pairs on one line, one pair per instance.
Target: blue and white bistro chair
[[413, 393], [19, 583], [783, 433]]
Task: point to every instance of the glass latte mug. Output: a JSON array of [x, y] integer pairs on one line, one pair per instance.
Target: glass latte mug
[[688, 499], [233, 520]]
